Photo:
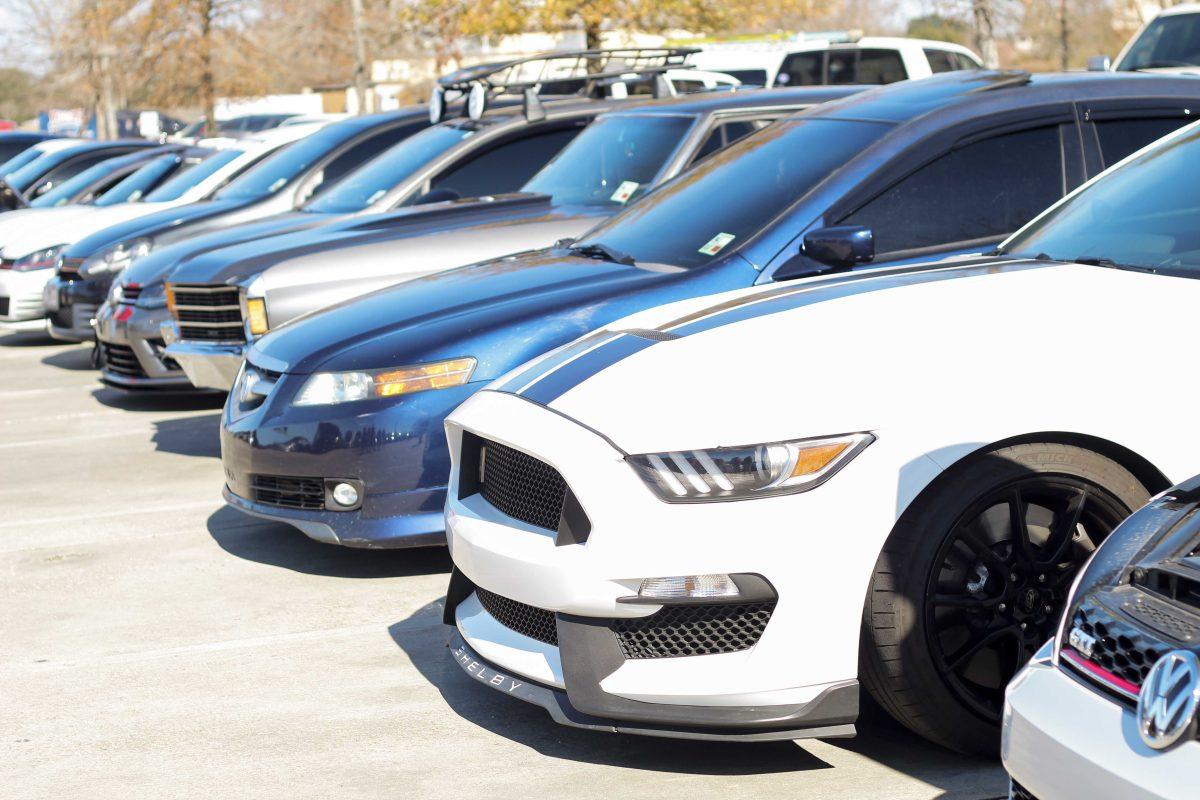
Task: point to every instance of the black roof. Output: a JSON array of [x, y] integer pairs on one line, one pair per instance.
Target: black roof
[[705, 102], [969, 93]]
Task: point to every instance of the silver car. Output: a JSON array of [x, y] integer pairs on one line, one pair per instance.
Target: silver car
[[227, 298]]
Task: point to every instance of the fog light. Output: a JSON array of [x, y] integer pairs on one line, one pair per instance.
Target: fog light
[[688, 586], [345, 495]]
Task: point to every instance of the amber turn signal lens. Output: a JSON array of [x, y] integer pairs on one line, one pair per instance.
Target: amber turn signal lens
[[816, 458], [256, 314], [441, 375], [171, 299]]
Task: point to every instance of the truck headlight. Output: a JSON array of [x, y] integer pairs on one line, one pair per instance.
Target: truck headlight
[[739, 473], [329, 388], [112, 260]]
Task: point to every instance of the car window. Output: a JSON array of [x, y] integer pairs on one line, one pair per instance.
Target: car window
[[966, 62], [359, 154], [70, 191], [1124, 137], [726, 134], [1171, 41], [189, 176], [614, 161], [19, 160], [65, 171], [136, 186], [879, 66], [11, 149], [286, 164], [940, 61], [749, 77], [802, 69], [505, 168], [840, 67], [724, 202], [981, 190]]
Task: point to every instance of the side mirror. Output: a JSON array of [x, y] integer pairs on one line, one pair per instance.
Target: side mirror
[[840, 247], [437, 196], [1099, 64]]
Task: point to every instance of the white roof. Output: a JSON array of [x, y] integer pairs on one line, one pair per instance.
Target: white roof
[[1186, 8]]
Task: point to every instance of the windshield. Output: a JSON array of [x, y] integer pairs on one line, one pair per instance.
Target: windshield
[[377, 177], [134, 187], [68, 190], [613, 161], [26, 175], [720, 204], [1143, 215], [1171, 41], [189, 176], [289, 163]]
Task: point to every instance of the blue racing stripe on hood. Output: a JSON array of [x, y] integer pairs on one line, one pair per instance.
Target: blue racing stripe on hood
[[546, 381]]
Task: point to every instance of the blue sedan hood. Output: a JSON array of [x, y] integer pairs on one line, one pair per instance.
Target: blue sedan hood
[[153, 225], [501, 312], [164, 263]]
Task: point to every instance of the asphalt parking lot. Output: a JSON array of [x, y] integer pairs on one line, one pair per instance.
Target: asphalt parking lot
[[158, 644]]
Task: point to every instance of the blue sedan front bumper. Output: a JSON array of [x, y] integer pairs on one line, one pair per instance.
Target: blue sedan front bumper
[[281, 461]]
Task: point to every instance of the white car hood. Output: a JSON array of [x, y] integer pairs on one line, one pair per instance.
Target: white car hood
[[821, 356], [63, 225]]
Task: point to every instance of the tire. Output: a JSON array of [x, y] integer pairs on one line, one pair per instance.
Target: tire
[[904, 663]]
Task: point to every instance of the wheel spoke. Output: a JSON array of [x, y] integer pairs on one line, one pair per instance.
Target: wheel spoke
[[1065, 525], [1018, 526], [968, 651], [984, 553]]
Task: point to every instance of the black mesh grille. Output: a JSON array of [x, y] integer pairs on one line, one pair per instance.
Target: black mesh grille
[[208, 313], [694, 630], [521, 486], [3, 306], [536, 623], [121, 360], [307, 494], [1123, 648]]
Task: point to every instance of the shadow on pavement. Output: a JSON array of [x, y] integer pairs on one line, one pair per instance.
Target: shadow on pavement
[[281, 545], [76, 359], [157, 400], [423, 638], [198, 436], [29, 339]]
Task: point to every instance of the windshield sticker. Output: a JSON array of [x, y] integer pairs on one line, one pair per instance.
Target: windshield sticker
[[376, 195], [625, 191], [278, 184], [717, 244]]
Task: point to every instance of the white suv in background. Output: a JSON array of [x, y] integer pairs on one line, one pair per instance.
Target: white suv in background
[[1168, 43], [835, 59]]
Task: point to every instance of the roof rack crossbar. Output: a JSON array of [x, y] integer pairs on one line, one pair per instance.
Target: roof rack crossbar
[[570, 65]]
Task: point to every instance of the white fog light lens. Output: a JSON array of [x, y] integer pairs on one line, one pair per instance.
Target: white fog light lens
[[682, 587], [345, 495]]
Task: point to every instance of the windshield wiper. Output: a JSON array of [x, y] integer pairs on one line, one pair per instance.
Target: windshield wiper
[[1108, 262], [603, 252]]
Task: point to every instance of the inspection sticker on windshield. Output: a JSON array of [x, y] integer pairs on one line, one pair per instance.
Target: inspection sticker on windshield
[[717, 244], [625, 191]]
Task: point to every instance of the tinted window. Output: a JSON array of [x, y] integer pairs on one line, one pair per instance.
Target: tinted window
[[1124, 137], [185, 179], [726, 134], [286, 164], [802, 69], [966, 62], [374, 179], [981, 190], [1172, 41], [505, 168], [722, 203], [878, 66], [136, 186], [614, 160], [67, 191], [840, 69], [752, 77], [9, 150], [20, 160], [1144, 214], [66, 171], [940, 61], [359, 154]]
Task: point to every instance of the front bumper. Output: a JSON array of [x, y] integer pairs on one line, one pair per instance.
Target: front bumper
[[819, 564], [1064, 740], [396, 448], [21, 304], [132, 349], [209, 366], [71, 307]]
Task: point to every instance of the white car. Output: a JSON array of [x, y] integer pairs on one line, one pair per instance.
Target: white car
[[1169, 43], [834, 59], [1107, 710], [31, 239], [717, 518]]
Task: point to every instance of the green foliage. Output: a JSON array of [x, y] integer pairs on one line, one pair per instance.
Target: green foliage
[[17, 94], [939, 28]]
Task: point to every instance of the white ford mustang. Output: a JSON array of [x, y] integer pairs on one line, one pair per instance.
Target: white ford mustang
[[716, 518]]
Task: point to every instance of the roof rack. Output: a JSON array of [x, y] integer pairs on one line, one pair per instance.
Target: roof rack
[[572, 72]]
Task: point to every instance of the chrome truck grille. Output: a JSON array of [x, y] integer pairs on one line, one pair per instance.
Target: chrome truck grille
[[208, 313]]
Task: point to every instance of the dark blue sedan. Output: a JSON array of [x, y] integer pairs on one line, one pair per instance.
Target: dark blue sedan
[[335, 424]]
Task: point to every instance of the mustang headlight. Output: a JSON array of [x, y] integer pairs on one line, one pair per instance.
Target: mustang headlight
[[41, 259], [113, 259], [328, 388], [757, 470]]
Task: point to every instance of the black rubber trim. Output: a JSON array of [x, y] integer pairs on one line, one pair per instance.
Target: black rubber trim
[[561, 709]]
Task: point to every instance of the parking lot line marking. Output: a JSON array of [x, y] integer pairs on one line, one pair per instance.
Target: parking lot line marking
[[80, 438], [49, 390], [110, 514]]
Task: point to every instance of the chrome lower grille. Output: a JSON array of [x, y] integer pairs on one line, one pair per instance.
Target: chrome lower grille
[[208, 313], [121, 360]]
